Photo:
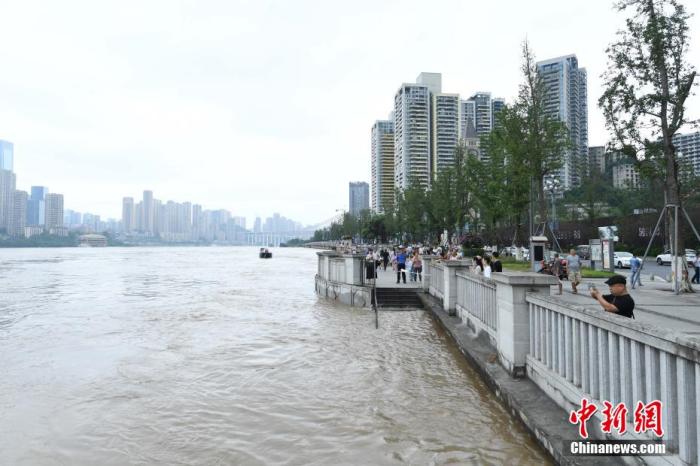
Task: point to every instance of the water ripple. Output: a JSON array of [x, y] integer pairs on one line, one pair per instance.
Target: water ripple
[[209, 356]]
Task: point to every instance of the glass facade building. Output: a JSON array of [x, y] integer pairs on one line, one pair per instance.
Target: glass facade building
[[7, 151]]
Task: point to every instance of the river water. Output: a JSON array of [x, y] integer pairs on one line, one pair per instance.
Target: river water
[[211, 356]]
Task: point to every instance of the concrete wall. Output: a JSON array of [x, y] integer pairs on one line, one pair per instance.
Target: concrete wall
[[340, 277]]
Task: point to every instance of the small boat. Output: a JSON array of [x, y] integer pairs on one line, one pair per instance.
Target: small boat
[[265, 254]]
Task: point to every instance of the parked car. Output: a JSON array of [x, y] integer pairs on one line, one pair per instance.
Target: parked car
[[622, 259], [665, 258]]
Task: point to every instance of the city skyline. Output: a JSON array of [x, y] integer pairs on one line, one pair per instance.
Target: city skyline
[[226, 99]]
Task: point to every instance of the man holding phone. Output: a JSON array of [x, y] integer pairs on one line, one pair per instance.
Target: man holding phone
[[618, 301]]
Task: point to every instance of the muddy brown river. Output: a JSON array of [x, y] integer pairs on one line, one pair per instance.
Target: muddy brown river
[[211, 356]]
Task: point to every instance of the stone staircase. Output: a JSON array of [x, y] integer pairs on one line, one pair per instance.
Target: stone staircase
[[403, 298]]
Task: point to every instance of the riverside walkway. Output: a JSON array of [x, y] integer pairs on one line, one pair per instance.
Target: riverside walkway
[[387, 279], [655, 304]]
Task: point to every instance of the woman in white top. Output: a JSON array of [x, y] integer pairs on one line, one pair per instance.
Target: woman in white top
[[487, 267]]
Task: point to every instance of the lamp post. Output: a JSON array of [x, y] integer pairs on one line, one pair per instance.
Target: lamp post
[[553, 185]]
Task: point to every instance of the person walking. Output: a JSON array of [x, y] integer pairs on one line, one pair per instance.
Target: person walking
[[370, 266], [401, 266], [556, 269], [635, 268], [573, 266], [696, 265], [409, 266], [487, 267], [496, 265], [418, 267], [385, 258], [478, 265]]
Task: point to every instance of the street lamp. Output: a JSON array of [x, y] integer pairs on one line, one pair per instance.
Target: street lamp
[[553, 185]]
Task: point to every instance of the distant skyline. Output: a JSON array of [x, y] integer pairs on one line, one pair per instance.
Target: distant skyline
[[255, 107]]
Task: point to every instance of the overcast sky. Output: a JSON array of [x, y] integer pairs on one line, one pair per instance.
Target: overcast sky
[[254, 106]]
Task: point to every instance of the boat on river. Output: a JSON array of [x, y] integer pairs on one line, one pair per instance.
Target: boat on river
[[265, 253]]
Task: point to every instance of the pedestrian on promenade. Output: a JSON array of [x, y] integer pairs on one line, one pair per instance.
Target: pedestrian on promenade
[[370, 265], [635, 268], [496, 265], [401, 266], [409, 265], [696, 265], [573, 266], [557, 270], [478, 265], [487, 267], [385, 258], [417, 267], [618, 301]]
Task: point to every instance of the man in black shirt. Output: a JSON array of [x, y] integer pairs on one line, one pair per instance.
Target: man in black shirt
[[496, 265], [618, 301]]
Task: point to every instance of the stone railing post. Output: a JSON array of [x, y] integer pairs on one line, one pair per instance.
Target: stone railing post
[[449, 298], [354, 272], [324, 269], [427, 274], [513, 336]]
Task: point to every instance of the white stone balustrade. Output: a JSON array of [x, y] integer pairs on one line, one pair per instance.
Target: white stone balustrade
[[476, 303], [576, 352], [341, 277]]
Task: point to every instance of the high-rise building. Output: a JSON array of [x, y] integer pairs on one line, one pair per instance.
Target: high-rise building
[[444, 131], [128, 215], [596, 160], [257, 226], [197, 222], [54, 210], [624, 174], [467, 116], [36, 206], [483, 112], [497, 105], [412, 132], [359, 197], [158, 216], [471, 140], [8, 182], [138, 217], [688, 148], [7, 151], [239, 222], [18, 219], [566, 98], [147, 212], [382, 169]]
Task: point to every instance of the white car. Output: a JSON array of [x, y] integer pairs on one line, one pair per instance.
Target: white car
[[665, 258], [622, 259]]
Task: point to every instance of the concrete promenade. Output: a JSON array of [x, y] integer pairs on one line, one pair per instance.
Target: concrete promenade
[[655, 304], [387, 279]]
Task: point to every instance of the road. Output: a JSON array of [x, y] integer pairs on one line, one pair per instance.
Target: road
[[650, 268]]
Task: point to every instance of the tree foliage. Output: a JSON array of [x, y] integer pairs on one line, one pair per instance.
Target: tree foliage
[[647, 84]]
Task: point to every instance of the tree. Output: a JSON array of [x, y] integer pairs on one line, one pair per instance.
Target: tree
[[526, 146], [505, 195], [647, 83]]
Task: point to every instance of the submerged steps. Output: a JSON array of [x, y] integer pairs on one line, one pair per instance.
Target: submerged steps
[[399, 298]]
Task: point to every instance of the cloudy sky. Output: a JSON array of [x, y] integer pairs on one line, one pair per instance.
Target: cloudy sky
[[253, 106]]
